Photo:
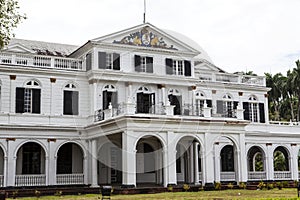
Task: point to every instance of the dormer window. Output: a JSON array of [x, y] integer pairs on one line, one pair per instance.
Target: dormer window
[[143, 64], [178, 67], [28, 98], [108, 60]]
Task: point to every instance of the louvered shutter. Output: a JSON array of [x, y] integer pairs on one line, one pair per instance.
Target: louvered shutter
[[187, 68], [137, 63], [246, 111], [101, 60], [105, 100], [149, 67], [169, 66], [262, 113], [220, 107], [114, 99], [20, 100], [36, 101], [116, 62], [75, 103]]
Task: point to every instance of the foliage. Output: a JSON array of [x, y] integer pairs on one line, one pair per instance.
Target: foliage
[[230, 186], [261, 185], [186, 187], [279, 185], [270, 186], [170, 188], [279, 161], [37, 193], [58, 193], [242, 185], [285, 184], [218, 186], [9, 19]]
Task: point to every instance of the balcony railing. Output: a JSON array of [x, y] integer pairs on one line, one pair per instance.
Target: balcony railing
[[227, 176], [233, 78], [41, 61], [30, 180], [69, 179], [255, 176], [282, 175]]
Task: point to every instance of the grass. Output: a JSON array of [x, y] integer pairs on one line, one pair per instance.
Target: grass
[[274, 194]]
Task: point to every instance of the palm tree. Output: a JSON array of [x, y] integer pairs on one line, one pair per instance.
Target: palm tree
[[294, 82]]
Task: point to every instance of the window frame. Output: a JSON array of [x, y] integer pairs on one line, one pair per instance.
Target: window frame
[[70, 87]]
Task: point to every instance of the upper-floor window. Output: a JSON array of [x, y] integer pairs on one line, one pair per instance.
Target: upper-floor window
[[176, 100], [108, 60], [178, 67], [145, 101], [254, 111], [28, 98], [143, 64], [201, 99], [110, 96], [71, 97], [88, 61], [226, 107]]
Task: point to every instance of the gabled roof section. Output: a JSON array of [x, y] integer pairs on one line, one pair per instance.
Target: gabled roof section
[[202, 65], [147, 35], [40, 48]]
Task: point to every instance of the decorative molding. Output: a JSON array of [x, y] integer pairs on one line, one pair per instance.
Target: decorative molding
[[145, 38], [293, 144], [193, 87], [12, 77], [128, 83], [51, 140], [10, 139], [268, 144], [240, 94], [217, 143], [266, 95], [160, 86], [214, 91], [52, 80], [92, 81]]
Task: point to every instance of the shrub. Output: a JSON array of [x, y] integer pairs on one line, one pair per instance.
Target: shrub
[[58, 193], [270, 186], [15, 194], [37, 193], [186, 187], [170, 188], [218, 186], [242, 185], [261, 185], [279, 185], [285, 184], [230, 186]]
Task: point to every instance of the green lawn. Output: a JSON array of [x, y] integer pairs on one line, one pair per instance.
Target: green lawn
[[214, 195]]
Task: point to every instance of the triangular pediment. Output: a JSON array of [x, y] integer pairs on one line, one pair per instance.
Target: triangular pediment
[[18, 48], [203, 65], [147, 36]]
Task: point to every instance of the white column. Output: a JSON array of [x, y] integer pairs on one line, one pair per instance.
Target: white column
[[242, 166], [5, 172], [129, 159], [51, 164], [163, 95], [170, 160], [191, 163], [266, 109], [47, 169], [94, 164], [269, 163], [209, 161], [11, 163], [85, 170], [12, 95], [217, 159], [196, 156], [294, 163]]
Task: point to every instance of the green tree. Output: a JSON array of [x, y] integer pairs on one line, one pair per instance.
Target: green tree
[[294, 82], [279, 161], [10, 17]]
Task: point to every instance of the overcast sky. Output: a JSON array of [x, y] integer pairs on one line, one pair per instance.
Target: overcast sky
[[238, 35]]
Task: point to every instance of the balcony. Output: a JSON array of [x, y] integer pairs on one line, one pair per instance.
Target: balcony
[[70, 179], [282, 175], [30, 180], [257, 176], [38, 61]]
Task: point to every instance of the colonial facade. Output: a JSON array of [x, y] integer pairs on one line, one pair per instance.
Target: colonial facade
[[143, 106]]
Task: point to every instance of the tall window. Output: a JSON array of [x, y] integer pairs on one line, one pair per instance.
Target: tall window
[[145, 101], [70, 100], [226, 107], [227, 159], [178, 67], [31, 162], [108, 60], [28, 98], [254, 111], [88, 61], [143, 64], [110, 95]]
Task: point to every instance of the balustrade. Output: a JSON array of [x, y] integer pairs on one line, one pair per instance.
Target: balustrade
[[30, 180], [227, 176], [257, 175], [282, 175], [69, 179]]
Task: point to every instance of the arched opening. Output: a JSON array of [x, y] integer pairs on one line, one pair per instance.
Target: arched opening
[[1, 167], [149, 161], [69, 167], [175, 100], [227, 159], [281, 164], [110, 164], [145, 101], [30, 166], [110, 96], [188, 161], [256, 164]]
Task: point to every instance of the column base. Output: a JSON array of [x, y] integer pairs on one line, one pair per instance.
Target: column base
[[94, 186], [209, 186], [123, 186]]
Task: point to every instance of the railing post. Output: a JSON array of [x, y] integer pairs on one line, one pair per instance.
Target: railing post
[[52, 63]]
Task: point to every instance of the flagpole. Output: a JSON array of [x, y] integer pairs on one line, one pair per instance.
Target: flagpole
[[144, 11]]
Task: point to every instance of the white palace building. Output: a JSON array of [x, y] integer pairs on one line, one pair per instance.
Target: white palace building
[[142, 106]]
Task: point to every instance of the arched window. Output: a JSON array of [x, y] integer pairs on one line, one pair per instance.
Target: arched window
[[176, 100], [110, 95], [71, 98], [226, 106], [145, 100], [28, 98], [200, 101], [254, 111]]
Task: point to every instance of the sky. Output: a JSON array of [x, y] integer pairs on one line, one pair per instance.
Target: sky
[[238, 35]]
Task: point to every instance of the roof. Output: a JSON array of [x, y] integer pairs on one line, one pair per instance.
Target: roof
[[44, 48]]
